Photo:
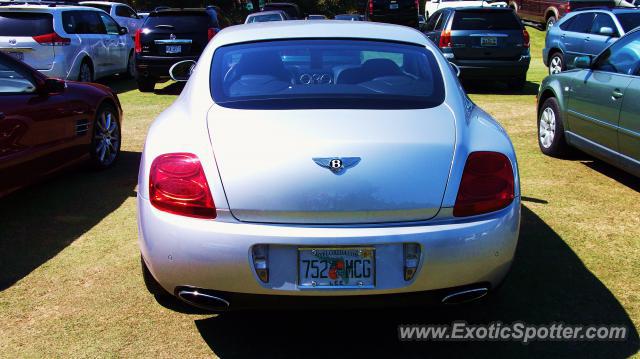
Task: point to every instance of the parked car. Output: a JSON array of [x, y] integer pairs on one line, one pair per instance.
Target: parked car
[[349, 17], [419, 202], [432, 6], [122, 13], [546, 13], [67, 42], [595, 108], [49, 124], [292, 10], [265, 16], [400, 12], [485, 43], [170, 36], [585, 32], [316, 17]]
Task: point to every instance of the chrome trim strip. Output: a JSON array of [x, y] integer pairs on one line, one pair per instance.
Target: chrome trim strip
[[489, 35], [629, 132], [164, 42], [592, 119], [483, 291]]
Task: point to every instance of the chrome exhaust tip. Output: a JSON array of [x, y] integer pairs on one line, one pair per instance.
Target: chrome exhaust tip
[[465, 296], [203, 301]]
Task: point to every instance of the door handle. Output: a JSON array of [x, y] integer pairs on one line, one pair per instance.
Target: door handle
[[616, 94]]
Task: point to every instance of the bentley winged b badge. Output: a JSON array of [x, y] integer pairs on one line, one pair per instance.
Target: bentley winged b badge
[[337, 165]]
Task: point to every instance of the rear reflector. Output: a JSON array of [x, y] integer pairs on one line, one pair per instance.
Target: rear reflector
[[52, 39], [177, 185], [487, 184]]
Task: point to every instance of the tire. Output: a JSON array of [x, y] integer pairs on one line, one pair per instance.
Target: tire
[[551, 137], [86, 72], [146, 84], [131, 68], [551, 21], [556, 63], [106, 139], [151, 283], [518, 83]]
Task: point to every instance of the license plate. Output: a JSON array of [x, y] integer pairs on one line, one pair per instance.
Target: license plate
[[16, 55], [173, 49], [337, 267], [393, 6], [488, 41]]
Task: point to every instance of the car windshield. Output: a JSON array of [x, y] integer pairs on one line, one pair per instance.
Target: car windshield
[[629, 21], [265, 18], [297, 74]]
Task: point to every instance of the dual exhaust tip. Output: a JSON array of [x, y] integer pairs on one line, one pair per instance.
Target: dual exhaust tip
[[216, 304]]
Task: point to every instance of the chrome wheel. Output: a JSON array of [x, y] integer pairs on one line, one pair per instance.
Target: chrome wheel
[[555, 65], [547, 130], [107, 138], [85, 73]]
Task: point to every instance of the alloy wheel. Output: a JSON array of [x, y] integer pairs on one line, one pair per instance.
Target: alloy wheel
[[555, 66], [107, 138], [547, 130], [85, 73]]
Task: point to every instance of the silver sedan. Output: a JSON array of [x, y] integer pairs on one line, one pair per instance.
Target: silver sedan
[[325, 162]]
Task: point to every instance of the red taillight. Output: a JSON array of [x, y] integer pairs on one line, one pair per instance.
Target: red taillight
[[527, 39], [138, 41], [418, 6], [370, 7], [445, 39], [177, 185], [211, 32], [487, 184], [52, 39]]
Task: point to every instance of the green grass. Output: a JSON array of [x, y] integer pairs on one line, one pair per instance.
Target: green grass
[[70, 283]]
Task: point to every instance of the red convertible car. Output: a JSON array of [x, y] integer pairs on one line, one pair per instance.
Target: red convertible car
[[48, 124]]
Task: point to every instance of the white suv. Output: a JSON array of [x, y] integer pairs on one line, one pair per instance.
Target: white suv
[[122, 13], [67, 42]]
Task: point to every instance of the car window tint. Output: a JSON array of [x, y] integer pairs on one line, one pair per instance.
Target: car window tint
[[110, 25], [265, 18], [622, 57], [431, 24], [25, 24], [105, 8], [125, 11], [11, 81], [441, 21], [297, 74], [185, 21], [629, 21], [582, 23], [485, 20], [603, 20], [567, 23], [82, 22]]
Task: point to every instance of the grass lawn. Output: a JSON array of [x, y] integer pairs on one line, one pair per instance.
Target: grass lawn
[[70, 283]]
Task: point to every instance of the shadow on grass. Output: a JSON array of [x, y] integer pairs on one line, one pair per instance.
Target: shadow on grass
[[498, 88], [606, 169], [174, 88], [38, 222], [548, 284]]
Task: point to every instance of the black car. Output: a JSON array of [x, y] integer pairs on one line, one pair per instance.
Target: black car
[[487, 43], [292, 10], [169, 36], [401, 12]]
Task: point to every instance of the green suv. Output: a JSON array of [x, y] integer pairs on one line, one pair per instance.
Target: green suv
[[595, 107]]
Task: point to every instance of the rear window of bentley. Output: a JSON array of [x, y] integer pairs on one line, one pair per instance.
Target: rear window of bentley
[[301, 74]]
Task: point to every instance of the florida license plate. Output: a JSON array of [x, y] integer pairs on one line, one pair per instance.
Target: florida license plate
[[337, 267], [173, 49], [488, 41]]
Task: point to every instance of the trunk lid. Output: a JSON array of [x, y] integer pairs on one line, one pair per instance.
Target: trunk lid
[[17, 32], [266, 162], [486, 34]]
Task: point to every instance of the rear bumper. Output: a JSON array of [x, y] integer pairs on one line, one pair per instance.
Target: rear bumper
[[158, 66], [492, 69], [216, 256]]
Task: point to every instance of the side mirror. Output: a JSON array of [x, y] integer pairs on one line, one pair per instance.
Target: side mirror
[[606, 31], [123, 30], [53, 86], [455, 68], [582, 62], [182, 70]]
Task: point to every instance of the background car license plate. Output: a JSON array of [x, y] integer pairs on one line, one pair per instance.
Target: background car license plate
[[16, 55], [336, 267], [488, 41], [393, 6], [173, 49]]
